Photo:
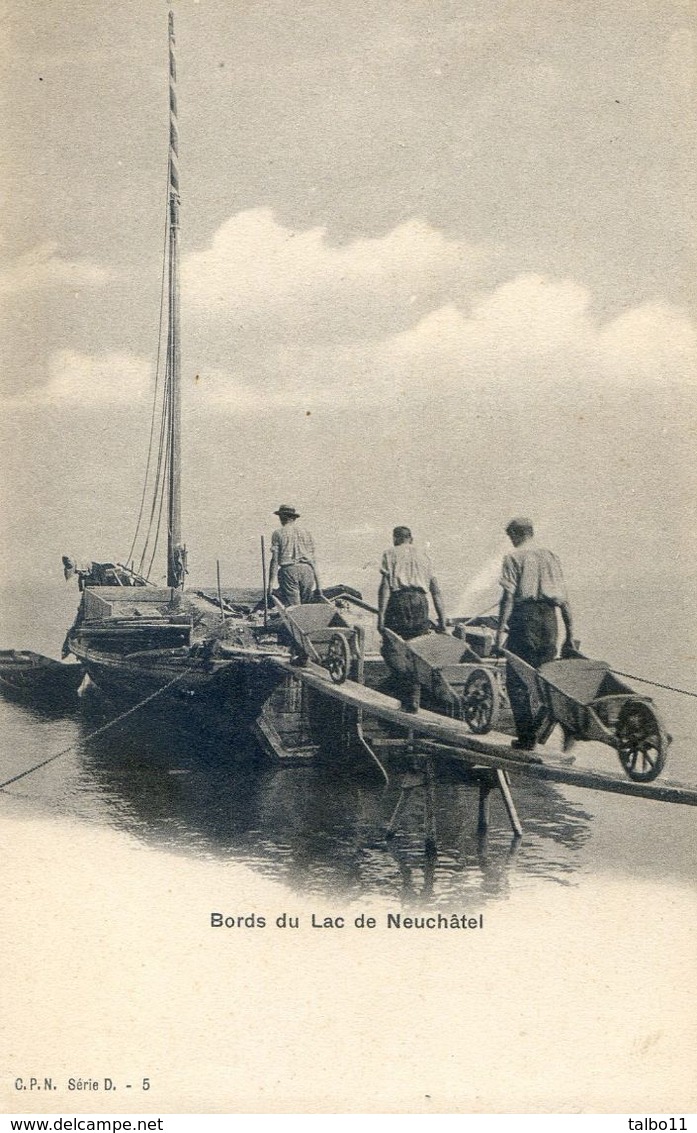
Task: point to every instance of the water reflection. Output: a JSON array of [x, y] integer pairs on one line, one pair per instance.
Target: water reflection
[[320, 828], [51, 705], [323, 828]]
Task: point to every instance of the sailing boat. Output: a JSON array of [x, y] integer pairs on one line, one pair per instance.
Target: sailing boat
[[136, 639], [213, 651]]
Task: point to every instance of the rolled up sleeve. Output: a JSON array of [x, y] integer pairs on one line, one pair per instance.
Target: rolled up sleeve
[[388, 568], [509, 575]]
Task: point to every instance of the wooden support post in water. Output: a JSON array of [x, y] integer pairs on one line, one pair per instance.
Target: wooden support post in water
[[410, 781], [491, 779], [484, 806], [391, 826], [505, 789], [430, 787], [360, 650], [360, 678], [347, 728]]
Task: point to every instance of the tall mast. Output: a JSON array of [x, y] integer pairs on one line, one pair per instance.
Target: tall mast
[[176, 552]]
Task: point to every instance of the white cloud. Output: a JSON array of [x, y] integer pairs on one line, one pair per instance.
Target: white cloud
[[532, 315], [653, 340], [310, 324], [532, 318], [255, 268], [92, 380], [531, 332], [43, 267], [275, 302]]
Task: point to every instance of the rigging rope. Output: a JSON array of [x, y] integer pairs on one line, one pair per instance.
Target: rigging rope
[[481, 614], [99, 731], [157, 380], [159, 476], [158, 528]]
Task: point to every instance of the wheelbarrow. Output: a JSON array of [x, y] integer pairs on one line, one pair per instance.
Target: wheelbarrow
[[590, 703], [321, 632], [458, 679]]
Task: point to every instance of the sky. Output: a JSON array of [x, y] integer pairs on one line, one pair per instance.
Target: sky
[[437, 269]]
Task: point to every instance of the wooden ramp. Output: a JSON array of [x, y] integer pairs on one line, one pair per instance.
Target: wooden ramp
[[451, 739]]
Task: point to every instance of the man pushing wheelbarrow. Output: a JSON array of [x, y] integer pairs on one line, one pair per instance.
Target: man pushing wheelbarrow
[[533, 590], [407, 580]]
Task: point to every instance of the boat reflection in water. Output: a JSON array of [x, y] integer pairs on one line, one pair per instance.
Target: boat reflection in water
[[320, 828]]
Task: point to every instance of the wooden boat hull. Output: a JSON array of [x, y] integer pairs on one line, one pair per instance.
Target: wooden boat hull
[[221, 696], [38, 679]]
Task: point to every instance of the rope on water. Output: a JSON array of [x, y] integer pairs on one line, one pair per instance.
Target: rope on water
[[97, 732], [656, 684]]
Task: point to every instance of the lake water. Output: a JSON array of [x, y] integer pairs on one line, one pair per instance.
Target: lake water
[[321, 829]]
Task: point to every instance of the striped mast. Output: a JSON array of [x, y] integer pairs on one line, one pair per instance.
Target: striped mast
[[176, 552]]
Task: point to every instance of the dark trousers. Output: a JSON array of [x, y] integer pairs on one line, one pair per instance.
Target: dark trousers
[[296, 583], [532, 635], [407, 616]]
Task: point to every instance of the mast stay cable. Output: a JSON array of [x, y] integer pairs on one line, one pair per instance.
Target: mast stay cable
[[157, 380], [166, 476], [158, 526], [161, 472]]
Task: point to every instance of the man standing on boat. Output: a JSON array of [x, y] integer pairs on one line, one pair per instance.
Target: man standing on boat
[[407, 580], [292, 560], [533, 589]]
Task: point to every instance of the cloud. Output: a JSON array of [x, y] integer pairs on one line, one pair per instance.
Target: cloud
[[43, 267], [278, 319], [311, 324], [531, 333], [540, 327], [650, 341], [93, 380], [257, 270]]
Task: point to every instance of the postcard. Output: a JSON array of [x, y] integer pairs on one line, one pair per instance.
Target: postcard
[[348, 640]]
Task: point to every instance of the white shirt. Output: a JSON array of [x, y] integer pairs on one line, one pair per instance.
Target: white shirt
[[533, 572], [406, 566], [292, 544]]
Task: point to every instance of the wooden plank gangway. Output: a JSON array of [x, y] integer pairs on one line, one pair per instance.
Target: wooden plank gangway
[[449, 738]]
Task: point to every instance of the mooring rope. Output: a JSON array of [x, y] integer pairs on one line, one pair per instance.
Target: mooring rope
[[97, 732]]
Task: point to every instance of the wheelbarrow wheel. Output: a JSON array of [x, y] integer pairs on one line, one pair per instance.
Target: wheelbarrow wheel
[[642, 741], [479, 701], [338, 660]]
